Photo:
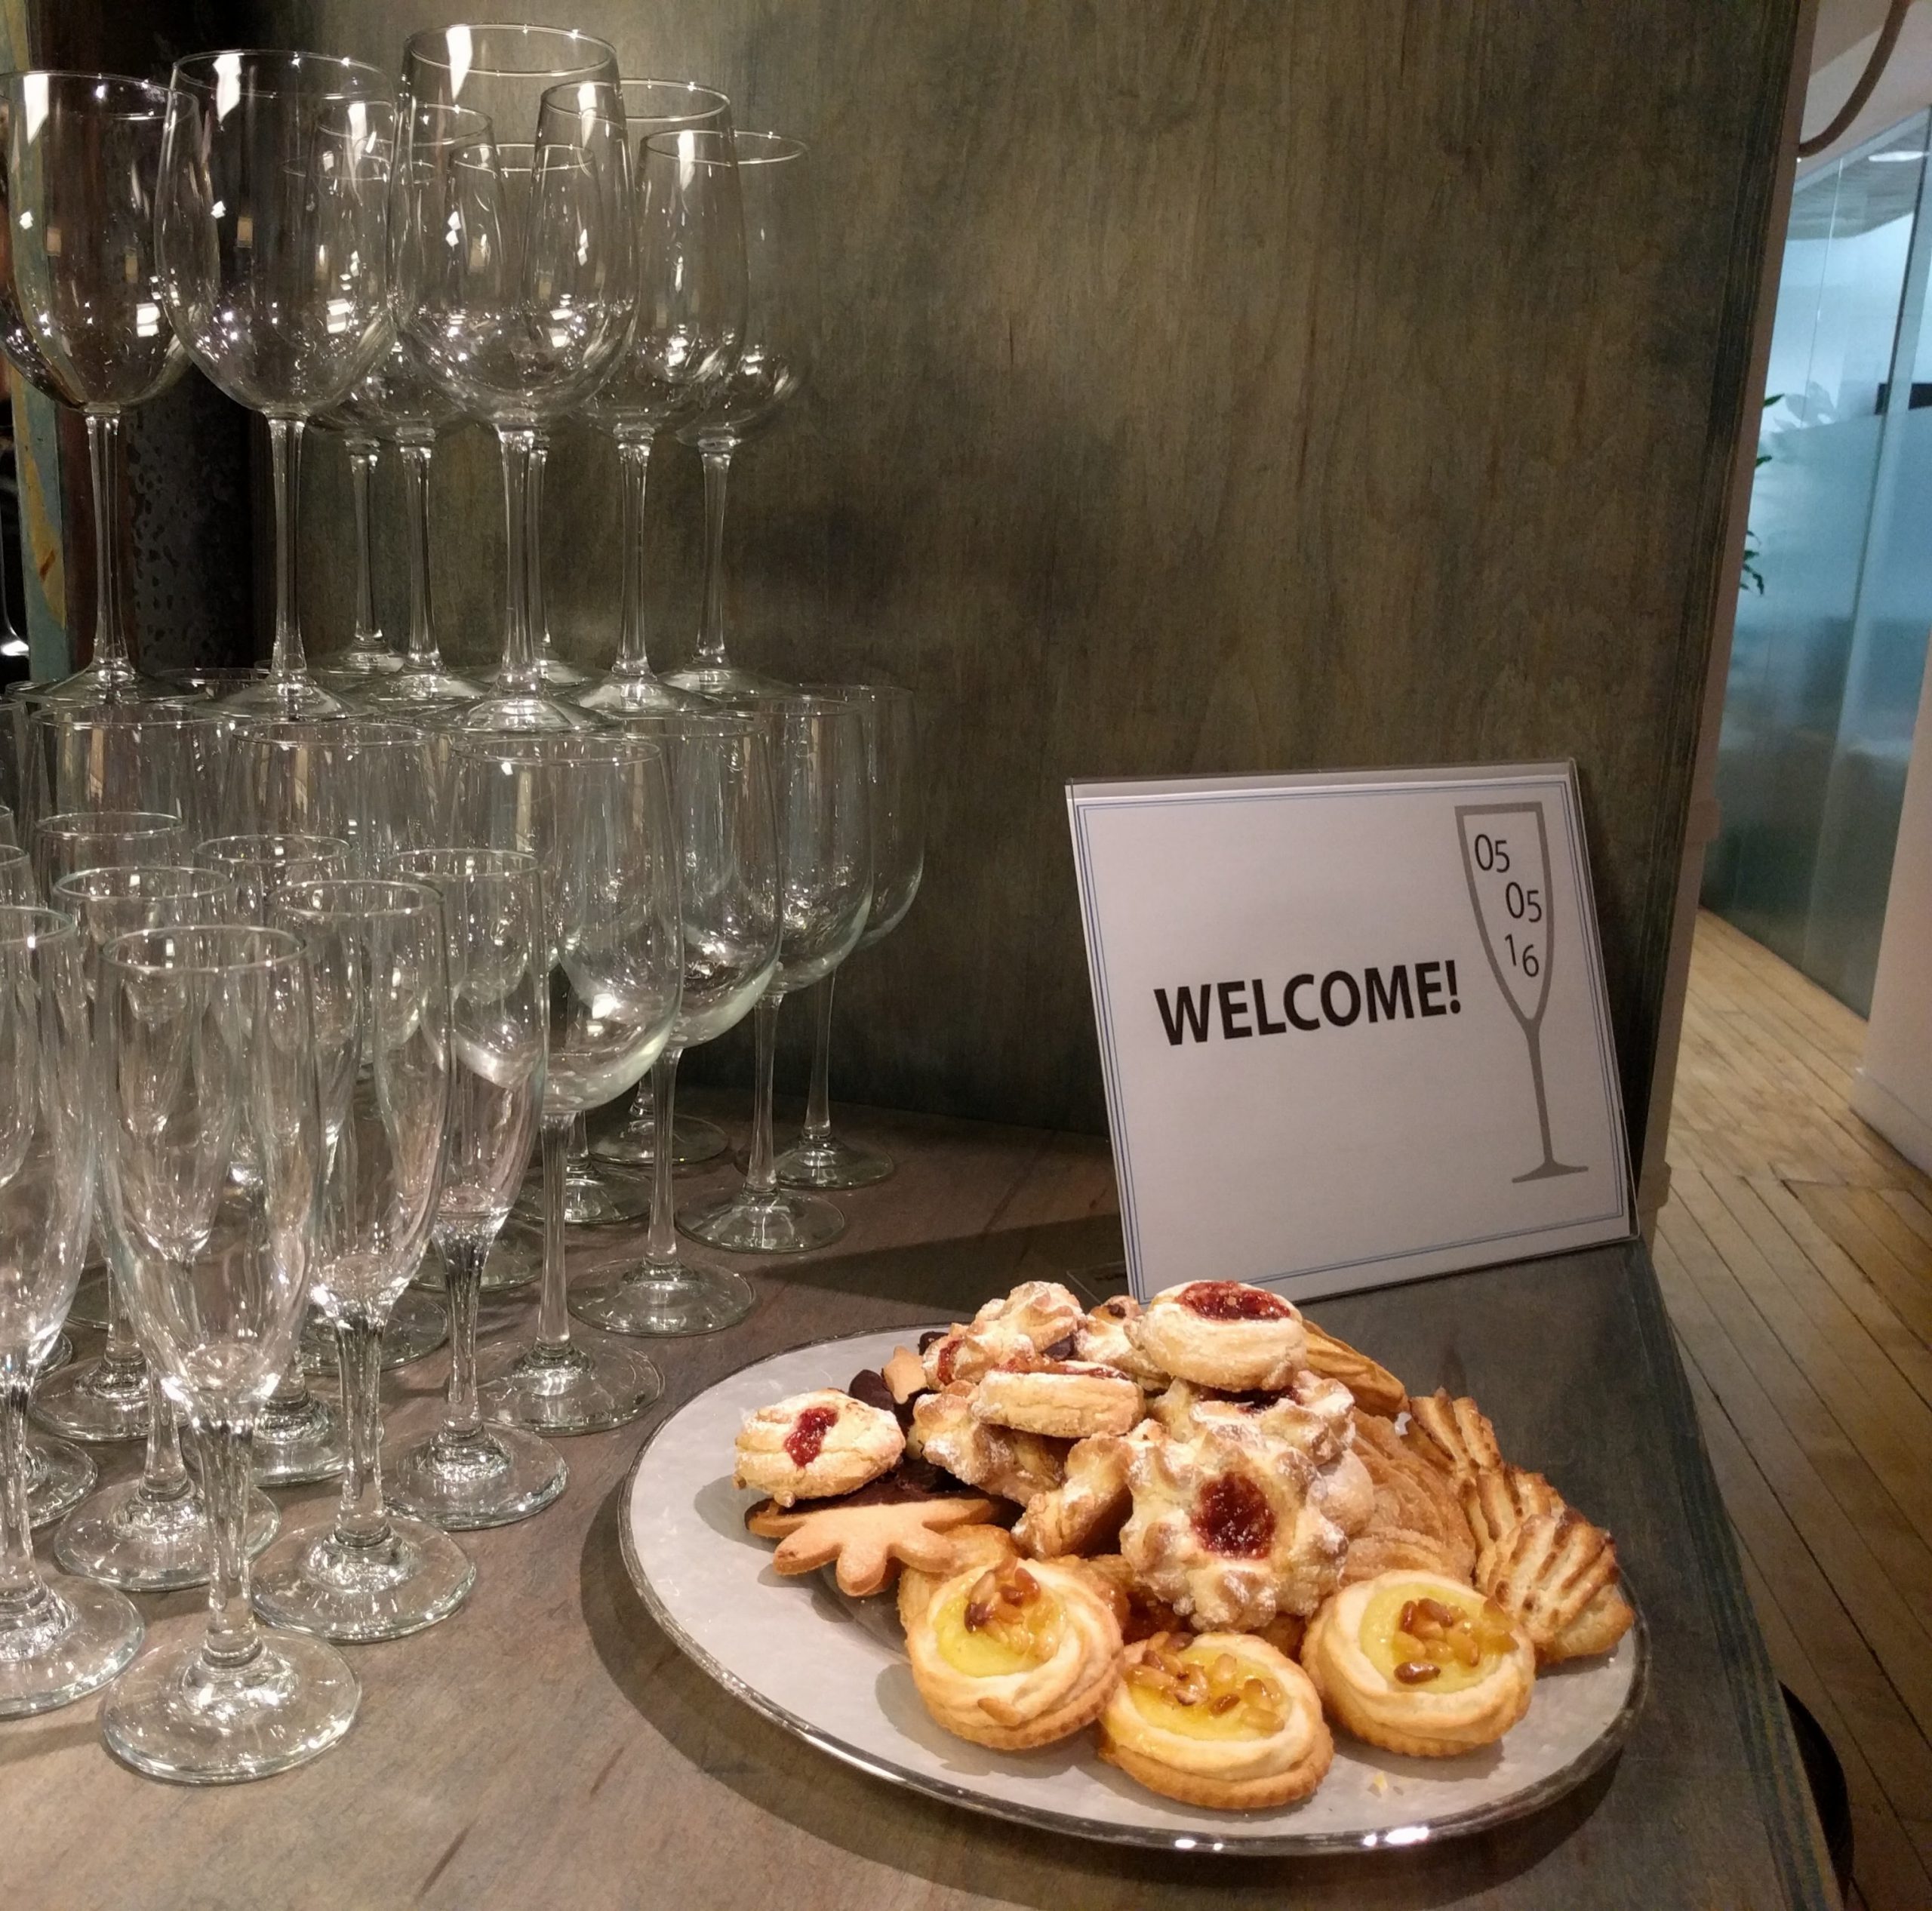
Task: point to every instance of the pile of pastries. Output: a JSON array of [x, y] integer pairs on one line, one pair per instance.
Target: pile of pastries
[[1202, 1526]]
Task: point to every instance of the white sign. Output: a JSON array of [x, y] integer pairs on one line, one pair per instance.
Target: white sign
[[1353, 1027]]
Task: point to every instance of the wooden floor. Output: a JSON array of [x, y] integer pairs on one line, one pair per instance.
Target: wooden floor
[[1795, 1252]]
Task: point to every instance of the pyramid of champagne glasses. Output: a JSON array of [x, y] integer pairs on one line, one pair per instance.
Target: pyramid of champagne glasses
[[304, 968]]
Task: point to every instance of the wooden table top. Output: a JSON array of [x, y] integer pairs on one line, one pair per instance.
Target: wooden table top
[[548, 1744]]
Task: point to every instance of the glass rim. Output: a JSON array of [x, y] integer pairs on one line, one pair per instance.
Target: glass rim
[[261, 726], [552, 746], [316, 847], [663, 144], [69, 823], [619, 119], [398, 898], [261, 949], [508, 862], [418, 47], [794, 148], [152, 89], [184, 74], [30, 926], [158, 711], [74, 884], [691, 88], [725, 720]]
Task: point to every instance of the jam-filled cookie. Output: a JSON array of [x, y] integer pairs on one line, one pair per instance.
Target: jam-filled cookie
[[1419, 1663], [1015, 1656], [1065, 1400], [815, 1446], [1102, 1336], [998, 1459], [1222, 1334], [1036, 1318], [1222, 1720]]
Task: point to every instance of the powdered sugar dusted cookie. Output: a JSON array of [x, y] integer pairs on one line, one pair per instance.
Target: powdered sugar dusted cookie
[[815, 1446], [1222, 1334]]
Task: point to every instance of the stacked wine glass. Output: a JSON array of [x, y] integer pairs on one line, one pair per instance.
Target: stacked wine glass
[[299, 969]]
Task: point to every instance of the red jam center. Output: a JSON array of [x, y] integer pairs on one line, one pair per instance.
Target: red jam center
[[1234, 1518], [1229, 1301], [807, 1434]]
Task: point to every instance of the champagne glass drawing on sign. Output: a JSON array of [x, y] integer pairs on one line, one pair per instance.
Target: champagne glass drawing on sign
[[83, 317], [1505, 856]]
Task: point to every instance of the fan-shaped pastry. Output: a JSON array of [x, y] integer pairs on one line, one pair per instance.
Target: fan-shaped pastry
[[1084, 1512], [1495, 1503], [1222, 1334], [1036, 1316], [1417, 1520], [1102, 1336], [1065, 1400], [1224, 1527], [1556, 1574], [1015, 1656], [1375, 1390], [1457, 1434], [815, 1446], [998, 1459], [967, 1546], [1418, 1663], [1222, 1720]]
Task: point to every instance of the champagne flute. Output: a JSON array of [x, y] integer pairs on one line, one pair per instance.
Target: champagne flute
[[60, 1640], [727, 835], [213, 1158], [819, 1158], [381, 992], [152, 1533], [775, 359], [83, 152], [90, 839], [470, 1473], [596, 812], [824, 890], [272, 231]]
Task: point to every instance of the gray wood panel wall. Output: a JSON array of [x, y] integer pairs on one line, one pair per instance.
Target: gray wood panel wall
[[1206, 386]]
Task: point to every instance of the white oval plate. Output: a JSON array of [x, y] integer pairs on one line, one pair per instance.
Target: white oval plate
[[833, 1670]]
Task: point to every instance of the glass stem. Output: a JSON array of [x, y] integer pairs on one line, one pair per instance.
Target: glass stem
[[121, 1350], [464, 1256], [533, 548], [422, 653], [633, 658], [361, 470], [818, 1103], [163, 1478], [23, 1594], [553, 1313], [292, 1390], [288, 662], [660, 1250], [761, 1174], [519, 671], [110, 641], [579, 1160], [227, 1472], [358, 1341], [642, 1121], [717, 477]]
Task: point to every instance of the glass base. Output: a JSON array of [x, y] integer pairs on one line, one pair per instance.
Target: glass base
[[521, 713], [692, 1141], [618, 697], [420, 691], [96, 685], [80, 1638], [58, 1355], [418, 1325], [677, 1299], [174, 1715], [581, 1387], [557, 674], [317, 1581], [297, 1441], [826, 1162], [94, 1401], [123, 1538], [594, 1196], [723, 680], [742, 1223], [90, 1307], [494, 1477], [514, 1261], [59, 1478], [285, 697], [353, 670]]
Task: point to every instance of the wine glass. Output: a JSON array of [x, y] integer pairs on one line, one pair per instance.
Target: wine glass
[[152, 1533], [90, 839], [515, 270], [727, 834], [272, 231], [596, 812], [825, 889], [819, 1158], [212, 1161], [381, 990], [297, 1436], [774, 360], [56, 1641], [396, 404], [155, 756], [469, 1473], [83, 151], [690, 311]]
